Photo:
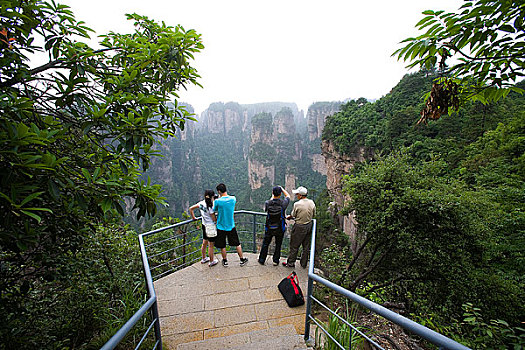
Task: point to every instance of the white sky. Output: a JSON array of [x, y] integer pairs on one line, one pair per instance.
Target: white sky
[[298, 51]]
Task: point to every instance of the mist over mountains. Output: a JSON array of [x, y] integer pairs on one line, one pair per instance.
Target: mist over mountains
[[249, 147]]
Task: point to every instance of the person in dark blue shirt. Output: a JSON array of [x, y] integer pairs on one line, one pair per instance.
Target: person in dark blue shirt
[[275, 224]]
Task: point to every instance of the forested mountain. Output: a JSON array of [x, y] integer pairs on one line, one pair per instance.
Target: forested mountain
[[248, 147], [435, 212]]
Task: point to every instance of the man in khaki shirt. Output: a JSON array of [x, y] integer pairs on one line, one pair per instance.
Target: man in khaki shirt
[[303, 212]]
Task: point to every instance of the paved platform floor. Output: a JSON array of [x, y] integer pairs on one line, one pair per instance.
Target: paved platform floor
[[200, 303]]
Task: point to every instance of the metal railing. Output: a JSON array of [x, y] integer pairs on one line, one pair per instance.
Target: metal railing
[[435, 338], [176, 246], [172, 248]]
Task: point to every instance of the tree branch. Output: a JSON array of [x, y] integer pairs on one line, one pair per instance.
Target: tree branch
[[369, 270], [455, 48], [49, 65], [354, 259]]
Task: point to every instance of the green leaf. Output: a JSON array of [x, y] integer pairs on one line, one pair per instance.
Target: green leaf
[[424, 20], [21, 130], [33, 215], [87, 175], [30, 198], [123, 167], [119, 208], [106, 204], [53, 189], [507, 28], [3, 195], [96, 173]]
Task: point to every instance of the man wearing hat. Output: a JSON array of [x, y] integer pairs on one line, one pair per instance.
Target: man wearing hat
[[275, 224], [303, 212]]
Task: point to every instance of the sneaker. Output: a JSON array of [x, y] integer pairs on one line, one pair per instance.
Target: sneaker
[[224, 262], [275, 263], [205, 260], [244, 261], [285, 264], [260, 262], [214, 262]]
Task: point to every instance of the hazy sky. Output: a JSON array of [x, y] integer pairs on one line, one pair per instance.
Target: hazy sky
[[289, 50]]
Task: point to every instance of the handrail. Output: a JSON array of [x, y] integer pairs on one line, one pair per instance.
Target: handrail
[[414, 327], [151, 303], [123, 331]]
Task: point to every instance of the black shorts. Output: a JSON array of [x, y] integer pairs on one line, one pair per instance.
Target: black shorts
[[205, 237], [233, 238]]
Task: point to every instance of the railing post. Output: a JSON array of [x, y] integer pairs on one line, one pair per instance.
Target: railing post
[[151, 291], [254, 233], [310, 284], [184, 247]]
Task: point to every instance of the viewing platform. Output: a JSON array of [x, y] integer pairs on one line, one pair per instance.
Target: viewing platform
[[193, 306], [202, 307]]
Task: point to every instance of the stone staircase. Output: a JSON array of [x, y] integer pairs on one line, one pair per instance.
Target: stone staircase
[[283, 337], [229, 308]]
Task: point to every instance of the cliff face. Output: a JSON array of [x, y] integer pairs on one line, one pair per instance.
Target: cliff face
[[223, 118], [284, 123], [251, 148], [261, 169], [338, 165], [224, 121], [316, 117], [273, 153], [227, 117], [260, 174]]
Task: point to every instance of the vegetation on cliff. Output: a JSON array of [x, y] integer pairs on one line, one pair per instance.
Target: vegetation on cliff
[[440, 206], [439, 210]]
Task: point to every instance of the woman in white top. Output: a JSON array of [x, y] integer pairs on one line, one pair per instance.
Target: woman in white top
[[209, 230]]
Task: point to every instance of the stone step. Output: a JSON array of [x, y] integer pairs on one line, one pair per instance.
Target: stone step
[[283, 337], [287, 342]]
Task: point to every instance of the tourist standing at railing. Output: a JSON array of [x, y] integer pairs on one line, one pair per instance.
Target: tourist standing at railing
[[209, 230], [303, 213], [224, 207], [275, 224]]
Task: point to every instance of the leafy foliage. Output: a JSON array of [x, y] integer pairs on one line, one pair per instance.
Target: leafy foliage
[[340, 331], [378, 125], [490, 335], [432, 233], [75, 133], [439, 206], [484, 40]]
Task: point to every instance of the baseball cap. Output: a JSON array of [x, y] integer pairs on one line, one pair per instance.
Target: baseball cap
[[277, 191], [301, 190]]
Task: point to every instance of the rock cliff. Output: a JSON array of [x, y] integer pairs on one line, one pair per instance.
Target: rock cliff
[[249, 147], [316, 117], [261, 168], [338, 165]]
